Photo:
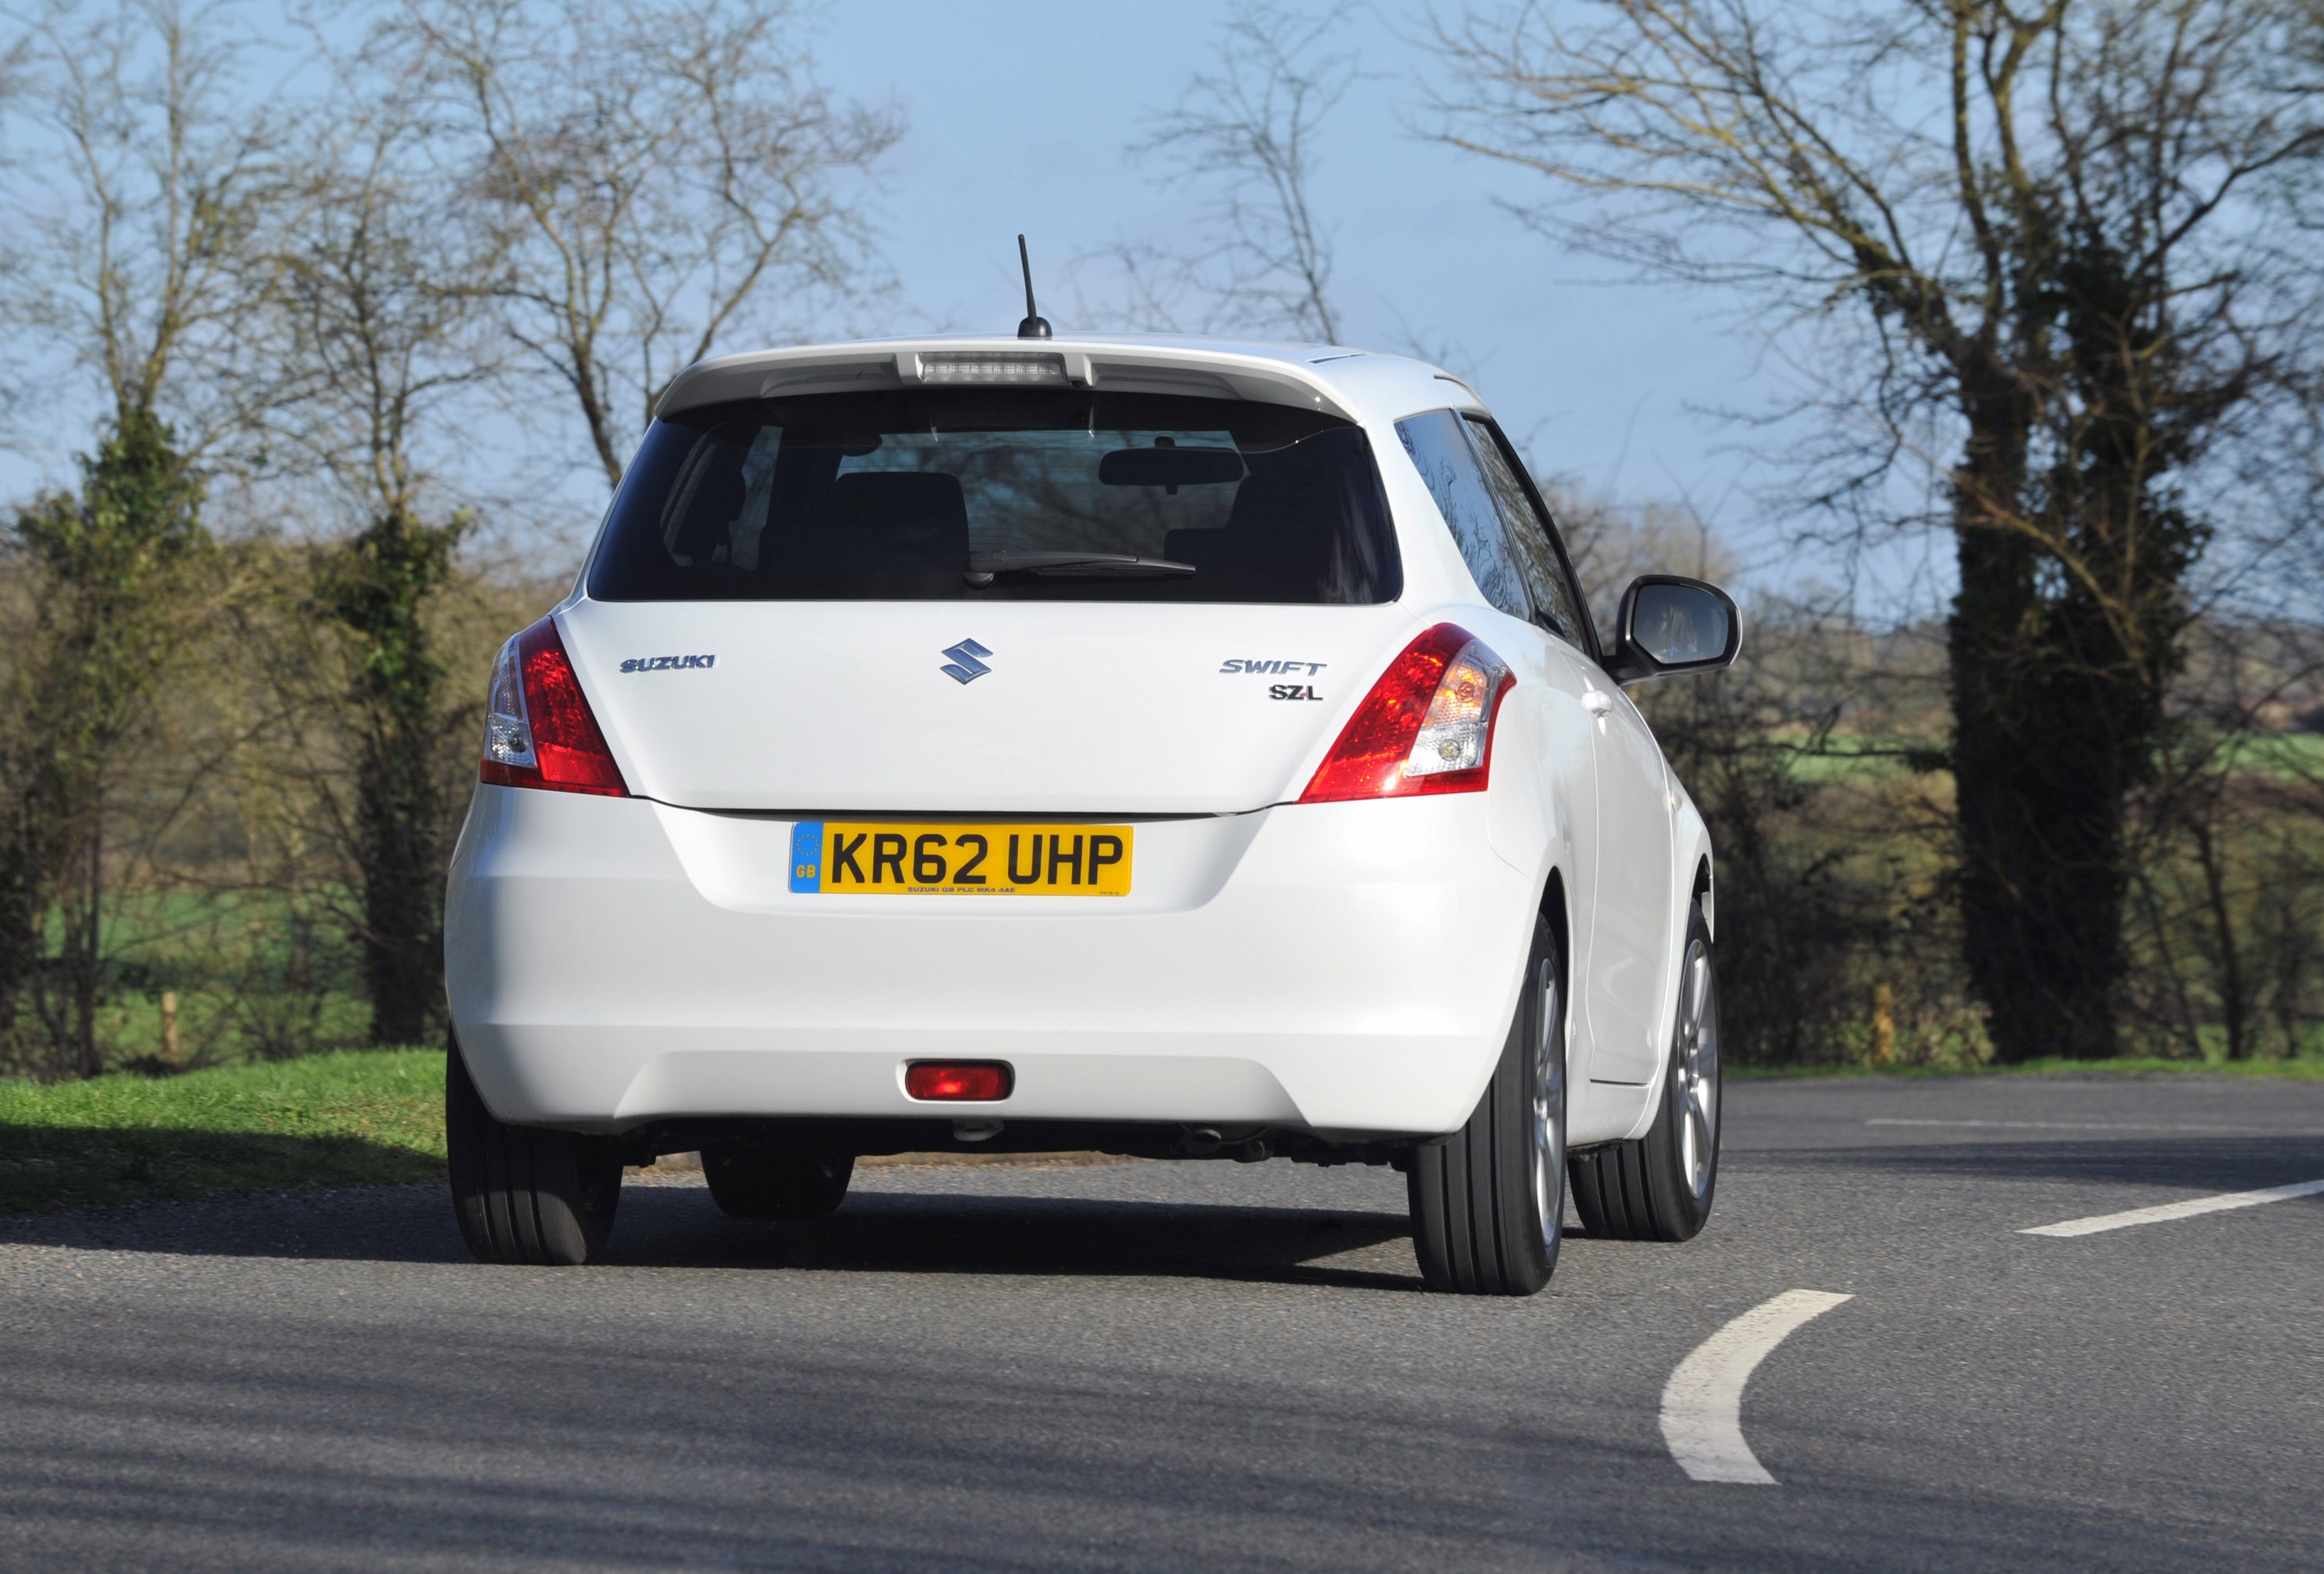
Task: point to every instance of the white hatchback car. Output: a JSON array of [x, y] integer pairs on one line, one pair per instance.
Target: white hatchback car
[[1177, 749]]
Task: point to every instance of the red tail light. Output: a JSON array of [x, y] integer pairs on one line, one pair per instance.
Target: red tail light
[[538, 732], [977, 1080], [1427, 727]]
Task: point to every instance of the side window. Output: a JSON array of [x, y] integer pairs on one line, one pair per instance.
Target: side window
[[1532, 538], [1448, 463]]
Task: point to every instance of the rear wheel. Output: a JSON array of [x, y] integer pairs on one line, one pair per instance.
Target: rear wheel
[[764, 1182], [1659, 1187], [1487, 1201], [523, 1194]]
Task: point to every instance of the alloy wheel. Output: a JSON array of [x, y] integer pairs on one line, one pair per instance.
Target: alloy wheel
[[1697, 1068], [1549, 1108]]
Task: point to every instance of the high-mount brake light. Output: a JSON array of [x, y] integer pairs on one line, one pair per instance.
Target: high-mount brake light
[[975, 1081], [1427, 726], [538, 730], [1009, 366]]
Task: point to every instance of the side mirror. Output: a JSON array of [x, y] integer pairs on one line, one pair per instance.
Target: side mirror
[[1669, 625]]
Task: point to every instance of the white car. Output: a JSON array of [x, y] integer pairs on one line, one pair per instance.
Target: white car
[[1173, 748]]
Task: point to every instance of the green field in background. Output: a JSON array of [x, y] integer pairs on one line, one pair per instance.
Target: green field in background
[[254, 980], [352, 1119], [1867, 760]]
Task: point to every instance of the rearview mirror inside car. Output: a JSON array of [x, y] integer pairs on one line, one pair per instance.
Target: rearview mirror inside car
[[1669, 625], [1163, 465]]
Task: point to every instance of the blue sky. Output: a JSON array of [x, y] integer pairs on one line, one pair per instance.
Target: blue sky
[[1020, 113]]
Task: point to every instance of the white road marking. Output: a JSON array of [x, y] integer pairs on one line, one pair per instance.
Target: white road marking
[[1702, 1403], [2214, 1203]]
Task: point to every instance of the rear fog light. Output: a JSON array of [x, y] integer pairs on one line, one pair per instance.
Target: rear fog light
[[976, 1082]]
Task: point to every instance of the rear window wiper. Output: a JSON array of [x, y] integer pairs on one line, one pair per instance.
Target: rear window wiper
[[984, 567]]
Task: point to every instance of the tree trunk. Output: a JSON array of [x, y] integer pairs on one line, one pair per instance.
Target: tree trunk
[[2041, 764], [2041, 831], [2038, 793], [378, 589], [398, 810], [2065, 633]]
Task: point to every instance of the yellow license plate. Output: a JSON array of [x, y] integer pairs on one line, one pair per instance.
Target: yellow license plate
[[832, 858]]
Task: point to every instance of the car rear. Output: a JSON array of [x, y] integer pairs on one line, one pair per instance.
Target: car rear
[[972, 748]]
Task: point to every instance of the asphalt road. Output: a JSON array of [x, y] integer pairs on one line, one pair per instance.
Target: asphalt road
[[1211, 1366]]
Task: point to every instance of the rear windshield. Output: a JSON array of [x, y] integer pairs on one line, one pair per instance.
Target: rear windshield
[[967, 494]]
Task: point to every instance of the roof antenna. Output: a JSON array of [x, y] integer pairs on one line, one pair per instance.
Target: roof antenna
[[1035, 326]]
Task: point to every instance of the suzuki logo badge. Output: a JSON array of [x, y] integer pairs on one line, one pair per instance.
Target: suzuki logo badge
[[965, 666]]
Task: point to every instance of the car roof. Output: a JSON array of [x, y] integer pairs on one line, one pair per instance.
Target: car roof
[[1358, 385]]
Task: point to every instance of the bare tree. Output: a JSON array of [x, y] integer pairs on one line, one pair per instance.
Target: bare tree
[[2229, 842], [15, 56], [657, 175], [139, 188], [378, 322], [1611, 545], [2059, 237], [1244, 134]]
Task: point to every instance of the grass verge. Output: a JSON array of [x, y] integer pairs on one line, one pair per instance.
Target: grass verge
[[354, 1118], [364, 1118], [2307, 1068]]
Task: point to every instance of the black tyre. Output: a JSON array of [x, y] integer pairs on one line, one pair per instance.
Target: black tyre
[[523, 1194], [765, 1183], [1489, 1200], [1659, 1187]]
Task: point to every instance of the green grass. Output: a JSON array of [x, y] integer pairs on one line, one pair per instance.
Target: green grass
[[2307, 1068], [1857, 761], [2282, 754], [357, 1118]]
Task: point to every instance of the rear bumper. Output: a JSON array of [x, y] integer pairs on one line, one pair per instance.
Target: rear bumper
[[1339, 968]]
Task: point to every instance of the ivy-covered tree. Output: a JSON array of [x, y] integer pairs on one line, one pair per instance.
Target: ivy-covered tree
[[108, 568], [2055, 256], [378, 314], [378, 588], [133, 220]]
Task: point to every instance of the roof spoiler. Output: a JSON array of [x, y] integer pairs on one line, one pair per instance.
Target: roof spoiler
[[1112, 368]]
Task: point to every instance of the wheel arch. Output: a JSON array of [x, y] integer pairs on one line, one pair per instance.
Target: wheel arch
[[1557, 909], [1691, 863], [1554, 907]]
